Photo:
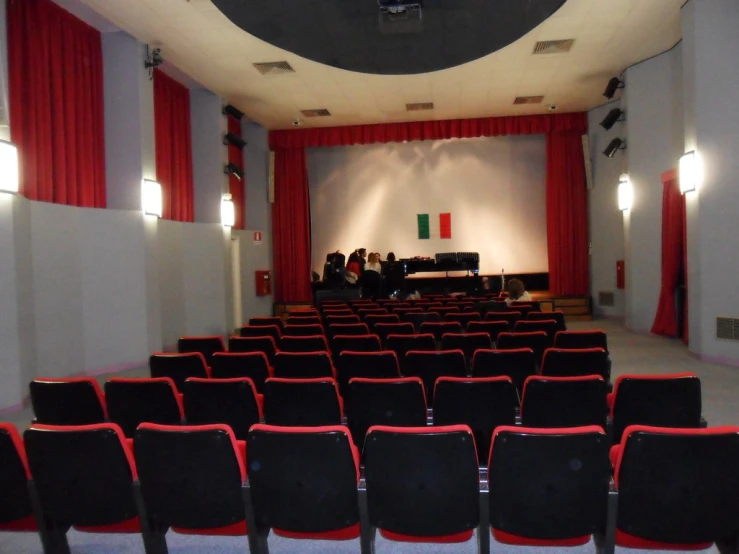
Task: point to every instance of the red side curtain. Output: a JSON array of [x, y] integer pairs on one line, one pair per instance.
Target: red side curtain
[[291, 224], [567, 215], [673, 250], [566, 190], [236, 186], [55, 69], [173, 147]]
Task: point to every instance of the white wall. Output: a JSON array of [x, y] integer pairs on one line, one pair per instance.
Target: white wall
[[495, 189], [606, 220]]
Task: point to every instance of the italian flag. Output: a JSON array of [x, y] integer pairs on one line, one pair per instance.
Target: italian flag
[[440, 227]]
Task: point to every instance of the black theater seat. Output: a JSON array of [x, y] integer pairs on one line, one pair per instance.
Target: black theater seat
[[251, 365], [594, 338], [537, 341], [368, 365], [266, 345], [419, 318], [262, 321], [430, 365], [400, 344], [232, 402], [313, 343], [302, 402], [566, 362], [564, 401], [178, 367], [347, 329], [556, 315], [384, 330], [549, 326], [492, 328], [355, 343], [68, 401], [261, 331], [518, 364], [302, 330], [206, 345], [303, 365], [16, 513], [440, 328], [469, 343], [135, 401]]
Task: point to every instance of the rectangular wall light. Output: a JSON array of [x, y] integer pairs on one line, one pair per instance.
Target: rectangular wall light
[[8, 167], [151, 198], [690, 172], [228, 211], [625, 193]]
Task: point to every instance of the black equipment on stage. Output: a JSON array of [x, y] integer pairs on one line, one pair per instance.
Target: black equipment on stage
[[453, 261]]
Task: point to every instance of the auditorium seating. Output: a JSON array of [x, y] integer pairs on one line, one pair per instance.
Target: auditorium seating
[[429, 366], [229, 401], [518, 364], [303, 365], [564, 401], [303, 320], [659, 400], [302, 402], [524, 307], [581, 339], [400, 344], [538, 341], [443, 311], [561, 362], [135, 401], [343, 313], [262, 321], [373, 319], [355, 343], [206, 345], [422, 483], [16, 513], [463, 318], [301, 331], [556, 315], [678, 489], [419, 318], [250, 365], [83, 476], [491, 306], [482, 403], [468, 343], [548, 487], [399, 402], [178, 367], [203, 498], [313, 343], [383, 330], [266, 345], [509, 317], [347, 329], [68, 401], [341, 319], [438, 329], [369, 365], [492, 328], [363, 313], [549, 326], [306, 485], [261, 331]]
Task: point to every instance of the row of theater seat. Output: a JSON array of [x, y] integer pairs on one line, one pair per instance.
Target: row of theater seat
[[482, 403], [659, 488]]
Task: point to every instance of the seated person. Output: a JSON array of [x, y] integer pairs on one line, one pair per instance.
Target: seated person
[[517, 292], [373, 263]]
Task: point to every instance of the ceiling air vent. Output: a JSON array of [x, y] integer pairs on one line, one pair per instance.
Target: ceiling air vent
[[553, 46], [727, 328], [528, 100], [320, 112], [274, 68], [419, 106], [606, 299]]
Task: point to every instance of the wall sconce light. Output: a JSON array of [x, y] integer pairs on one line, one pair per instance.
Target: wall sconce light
[[151, 198], [235, 170], [625, 193], [8, 167], [691, 172], [228, 211]]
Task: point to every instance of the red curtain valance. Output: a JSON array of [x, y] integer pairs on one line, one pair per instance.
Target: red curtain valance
[[428, 130], [567, 210], [55, 69]]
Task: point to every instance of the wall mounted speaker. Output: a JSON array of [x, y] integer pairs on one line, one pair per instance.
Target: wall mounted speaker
[[234, 140]]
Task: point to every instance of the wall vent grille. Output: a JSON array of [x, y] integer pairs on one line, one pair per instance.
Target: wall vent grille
[[607, 299], [274, 68], [320, 112], [727, 328], [419, 106], [554, 46], [528, 100]]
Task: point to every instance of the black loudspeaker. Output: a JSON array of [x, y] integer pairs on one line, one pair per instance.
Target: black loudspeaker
[[232, 111], [610, 120], [614, 146], [613, 85], [234, 140]]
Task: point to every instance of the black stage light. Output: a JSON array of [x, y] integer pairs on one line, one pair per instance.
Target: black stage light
[[614, 146], [610, 120], [232, 111], [613, 85], [235, 170], [234, 140]]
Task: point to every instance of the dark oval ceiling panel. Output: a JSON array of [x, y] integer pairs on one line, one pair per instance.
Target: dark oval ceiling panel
[[390, 37]]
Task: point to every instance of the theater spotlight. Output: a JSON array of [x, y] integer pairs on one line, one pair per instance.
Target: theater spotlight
[[235, 170], [232, 111], [613, 85], [612, 118], [614, 146], [234, 140], [228, 211]]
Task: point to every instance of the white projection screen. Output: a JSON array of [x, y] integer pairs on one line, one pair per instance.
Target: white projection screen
[[494, 188]]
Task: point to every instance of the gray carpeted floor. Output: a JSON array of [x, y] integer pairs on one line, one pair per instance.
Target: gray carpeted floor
[[630, 354]]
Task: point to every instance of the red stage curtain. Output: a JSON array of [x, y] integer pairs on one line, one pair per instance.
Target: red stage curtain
[[291, 225], [570, 261], [236, 186], [173, 147], [55, 69], [567, 215], [673, 251]]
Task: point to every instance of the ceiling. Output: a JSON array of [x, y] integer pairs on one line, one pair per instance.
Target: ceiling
[[202, 42]]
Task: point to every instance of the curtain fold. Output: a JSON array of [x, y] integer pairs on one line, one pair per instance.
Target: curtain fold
[[55, 71], [291, 225], [237, 186], [173, 145], [566, 189], [673, 252]]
